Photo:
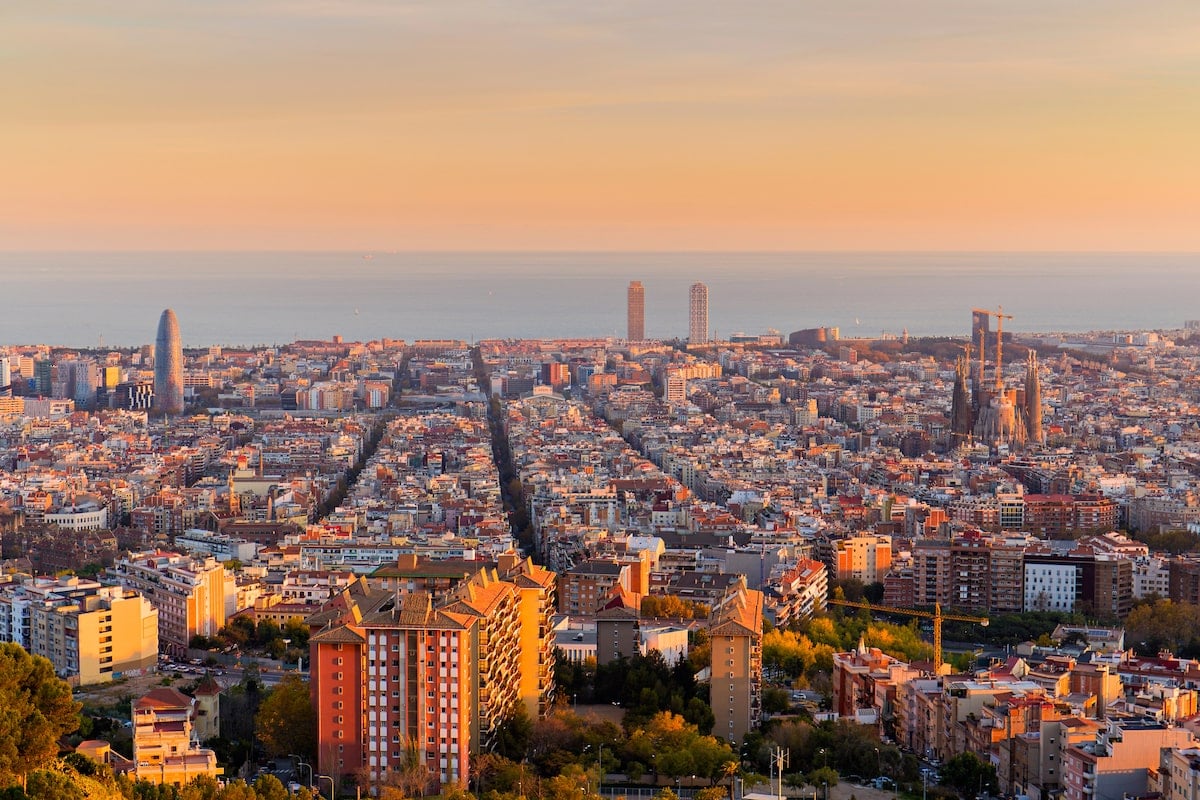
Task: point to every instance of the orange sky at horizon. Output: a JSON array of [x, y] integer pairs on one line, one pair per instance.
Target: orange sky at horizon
[[316, 124]]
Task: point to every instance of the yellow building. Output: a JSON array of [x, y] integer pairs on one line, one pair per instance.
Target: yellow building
[[165, 748], [90, 633], [536, 586], [193, 596], [99, 637]]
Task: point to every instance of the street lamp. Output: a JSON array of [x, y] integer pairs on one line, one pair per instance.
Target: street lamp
[[303, 763], [332, 788], [599, 766]]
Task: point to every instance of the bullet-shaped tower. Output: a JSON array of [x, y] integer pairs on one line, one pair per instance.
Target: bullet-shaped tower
[[168, 366]]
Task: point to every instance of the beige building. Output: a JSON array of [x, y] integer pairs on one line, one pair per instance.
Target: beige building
[[1122, 761], [1179, 774], [97, 638], [90, 633], [193, 596], [866, 557], [165, 745], [735, 685]]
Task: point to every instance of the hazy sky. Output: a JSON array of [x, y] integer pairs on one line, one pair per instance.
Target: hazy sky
[[585, 124]]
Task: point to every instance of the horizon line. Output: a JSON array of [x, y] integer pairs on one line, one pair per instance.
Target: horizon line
[[612, 251]]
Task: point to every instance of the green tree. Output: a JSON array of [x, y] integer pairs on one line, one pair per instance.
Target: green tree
[[44, 784], [823, 776], [512, 738], [38, 711], [202, 787], [969, 775], [237, 789], [268, 787], [286, 722]]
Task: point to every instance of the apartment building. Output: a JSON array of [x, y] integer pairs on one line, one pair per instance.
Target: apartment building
[[735, 687], [405, 670], [867, 684], [192, 596], [1119, 761], [865, 557], [582, 588], [90, 633]]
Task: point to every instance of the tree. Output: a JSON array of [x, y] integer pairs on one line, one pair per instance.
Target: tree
[[512, 739], [38, 711], [823, 776], [286, 722], [45, 784], [970, 775], [202, 787], [268, 787]]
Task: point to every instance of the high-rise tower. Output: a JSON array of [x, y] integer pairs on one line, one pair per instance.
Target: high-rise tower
[[960, 403], [636, 312], [168, 366], [698, 314], [1033, 399]]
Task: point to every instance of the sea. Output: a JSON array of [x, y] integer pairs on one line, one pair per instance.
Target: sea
[[110, 299]]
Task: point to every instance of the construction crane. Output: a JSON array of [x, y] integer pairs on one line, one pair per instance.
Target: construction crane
[[1000, 317], [936, 615]]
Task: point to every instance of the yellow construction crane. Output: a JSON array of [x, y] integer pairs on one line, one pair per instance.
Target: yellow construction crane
[[936, 615]]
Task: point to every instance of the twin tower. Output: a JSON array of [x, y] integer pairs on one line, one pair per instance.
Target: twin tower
[[697, 313]]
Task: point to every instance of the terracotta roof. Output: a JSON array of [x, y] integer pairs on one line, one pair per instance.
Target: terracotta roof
[[341, 635], [163, 697]]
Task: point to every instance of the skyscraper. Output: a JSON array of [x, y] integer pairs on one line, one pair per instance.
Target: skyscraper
[[698, 314], [636, 312], [168, 366]]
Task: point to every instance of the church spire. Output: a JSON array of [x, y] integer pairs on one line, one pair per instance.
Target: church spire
[[1033, 399]]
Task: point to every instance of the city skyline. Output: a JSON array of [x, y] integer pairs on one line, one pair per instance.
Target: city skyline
[[662, 126]]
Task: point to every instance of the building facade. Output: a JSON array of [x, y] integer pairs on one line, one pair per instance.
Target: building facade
[[636, 312], [698, 314]]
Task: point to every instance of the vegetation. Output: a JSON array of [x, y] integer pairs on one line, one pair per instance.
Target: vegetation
[[841, 746], [645, 686], [286, 722], [1173, 542], [804, 650], [1163, 625], [289, 642], [671, 607], [970, 776], [38, 711], [1006, 629]]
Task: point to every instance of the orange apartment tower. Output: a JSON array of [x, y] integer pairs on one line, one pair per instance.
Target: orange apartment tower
[[403, 674]]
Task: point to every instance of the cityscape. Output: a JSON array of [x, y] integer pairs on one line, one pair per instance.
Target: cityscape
[[626, 400], [967, 556]]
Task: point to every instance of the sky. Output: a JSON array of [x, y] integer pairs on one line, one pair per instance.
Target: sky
[[618, 125]]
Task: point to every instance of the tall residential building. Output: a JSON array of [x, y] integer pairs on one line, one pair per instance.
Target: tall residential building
[[429, 658], [5, 377], [636, 312], [735, 688], [193, 596], [168, 365], [698, 314]]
